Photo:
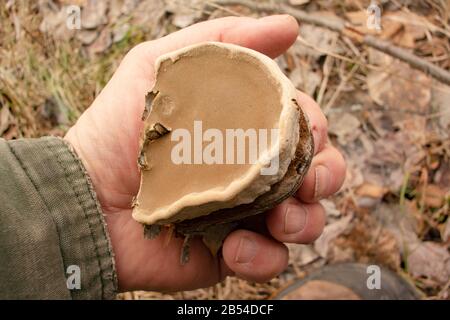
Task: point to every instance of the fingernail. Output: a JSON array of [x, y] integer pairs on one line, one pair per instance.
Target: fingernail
[[316, 138], [322, 181], [294, 219], [246, 251]]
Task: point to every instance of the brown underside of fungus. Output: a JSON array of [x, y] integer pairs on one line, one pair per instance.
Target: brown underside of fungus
[[224, 140]]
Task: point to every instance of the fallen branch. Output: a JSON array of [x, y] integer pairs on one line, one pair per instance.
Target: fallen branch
[[410, 58], [344, 28]]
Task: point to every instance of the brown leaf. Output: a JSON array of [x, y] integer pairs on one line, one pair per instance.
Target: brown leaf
[[431, 261], [446, 231], [411, 29], [301, 255], [399, 86], [54, 22], [396, 27], [120, 32], [371, 190], [401, 223], [345, 126], [367, 241], [331, 232], [442, 177], [93, 14], [305, 79], [87, 37], [318, 37], [102, 43], [358, 19], [185, 13], [433, 196], [440, 97], [330, 208]]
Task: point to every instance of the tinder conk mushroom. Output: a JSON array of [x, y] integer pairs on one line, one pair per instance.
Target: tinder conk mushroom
[[224, 139]]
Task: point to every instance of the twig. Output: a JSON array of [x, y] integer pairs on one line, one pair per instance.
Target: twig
[[366, 65], [406, 56], [333, 54], [218, 6], [423, 22], [326, 75], [344, 28], [281, 7]]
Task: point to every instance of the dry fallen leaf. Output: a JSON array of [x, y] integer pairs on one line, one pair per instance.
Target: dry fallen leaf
[[140, 16], [358, 20], [305, 79], [120, 31], [442, 177], [331, 232], [371, 190], [440, 100], [301, 255], [396, 27], [102, 43], [345, 126], [87, 37], [318, 37], [404, 28], [395, 154], [433, 196], [185, 12], [93, 14], [54, 22], [330, 208], [401, 223], [396, 85], [446, 231], [431, 261], [354, 175]]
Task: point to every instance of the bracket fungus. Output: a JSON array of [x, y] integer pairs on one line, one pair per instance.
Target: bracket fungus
[[224, 139]]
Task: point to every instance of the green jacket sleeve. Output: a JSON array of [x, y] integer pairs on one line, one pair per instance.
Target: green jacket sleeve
[[51, 225]]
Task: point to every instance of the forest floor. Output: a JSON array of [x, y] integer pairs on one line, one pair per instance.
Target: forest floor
[[390, 120]]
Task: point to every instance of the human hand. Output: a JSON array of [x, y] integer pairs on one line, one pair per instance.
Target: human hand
[[106, 139]]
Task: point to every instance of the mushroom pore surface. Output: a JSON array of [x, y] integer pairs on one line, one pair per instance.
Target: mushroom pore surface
[[219, 87]]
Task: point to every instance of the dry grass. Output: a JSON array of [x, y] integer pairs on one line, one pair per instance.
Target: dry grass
[[46, 83]]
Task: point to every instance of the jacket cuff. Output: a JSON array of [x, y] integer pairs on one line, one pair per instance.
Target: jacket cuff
[[64, 186]]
